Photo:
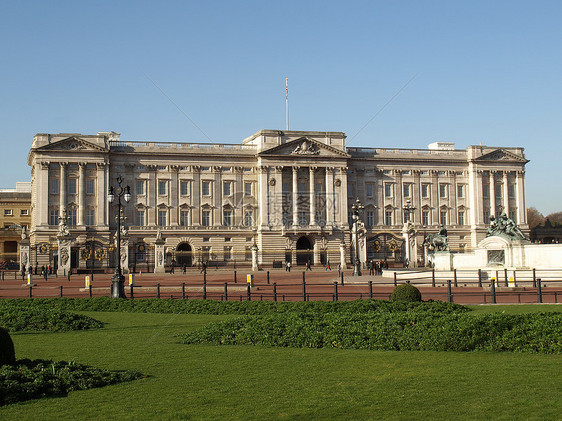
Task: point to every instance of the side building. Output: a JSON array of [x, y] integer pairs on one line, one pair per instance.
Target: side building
[[287, 193], [15, 214]]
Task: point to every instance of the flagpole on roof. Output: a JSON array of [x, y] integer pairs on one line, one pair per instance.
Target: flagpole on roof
[[287, 100]]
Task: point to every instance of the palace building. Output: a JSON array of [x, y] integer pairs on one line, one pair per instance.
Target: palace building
[[283, 195]]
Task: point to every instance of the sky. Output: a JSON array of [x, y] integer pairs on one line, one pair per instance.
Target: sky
[[417, 72]]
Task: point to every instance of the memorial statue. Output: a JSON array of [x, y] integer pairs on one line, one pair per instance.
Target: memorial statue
[[437, 241], [504, 227]]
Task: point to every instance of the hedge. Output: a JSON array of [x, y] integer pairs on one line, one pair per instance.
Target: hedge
[[155, 305], [409, 330], [21, 318], [42, 378]]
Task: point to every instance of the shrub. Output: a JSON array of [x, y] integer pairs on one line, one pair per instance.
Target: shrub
[[404, 331], [7, 352], [20, 318], [36, 379], [406, 292]]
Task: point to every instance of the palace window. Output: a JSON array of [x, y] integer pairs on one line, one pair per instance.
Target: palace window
[[90, 186], [54, 186], [248, 188], [206, 188], [460, 190], [442, 191], [370, 218], [425, 217], [369, 189], [71, 217], [425, 190], [227, 188], [443, 217], [162, 217], [162, 188], [90, 217], [407, 190], [511, 191], [387, 189], [139, 218], [54, 216], [499, 191], [461, 218], [72, 186], [206, 218], [184, 188], [8, 212], [249, 218], [140, 187], [184, 218], [24, 212], [388, 217], [227, 217]]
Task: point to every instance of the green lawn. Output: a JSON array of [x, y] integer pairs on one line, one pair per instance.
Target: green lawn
[[516, 309], [236, 382]]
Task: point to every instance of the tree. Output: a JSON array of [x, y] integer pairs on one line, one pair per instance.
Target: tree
[[555, 218], [534, 217]]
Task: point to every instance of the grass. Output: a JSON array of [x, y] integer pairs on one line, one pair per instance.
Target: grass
[[258, 383], [516, 309]]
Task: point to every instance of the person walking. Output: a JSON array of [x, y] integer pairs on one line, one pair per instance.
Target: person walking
[[308, 265], [328, 267]]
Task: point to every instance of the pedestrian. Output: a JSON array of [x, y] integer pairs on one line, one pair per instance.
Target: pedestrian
[[308, 265], [289, 265], [23, 273], [172, 268], [328, 267], [50, 270], [45, 273], [184, 268], [30, 269]]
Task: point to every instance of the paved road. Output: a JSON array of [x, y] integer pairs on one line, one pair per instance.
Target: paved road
[[319, 285]]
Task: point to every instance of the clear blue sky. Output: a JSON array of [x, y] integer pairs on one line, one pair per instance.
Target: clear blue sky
[[485, 72]]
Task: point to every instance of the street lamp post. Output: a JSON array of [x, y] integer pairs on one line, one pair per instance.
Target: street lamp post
[[409, 227], [356, 207], [118, 280]]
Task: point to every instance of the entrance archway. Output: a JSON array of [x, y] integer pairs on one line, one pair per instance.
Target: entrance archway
[[304, 251], [184, 255]]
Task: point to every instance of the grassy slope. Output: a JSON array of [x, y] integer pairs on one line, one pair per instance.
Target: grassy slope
[[516, 309], [205, 382]]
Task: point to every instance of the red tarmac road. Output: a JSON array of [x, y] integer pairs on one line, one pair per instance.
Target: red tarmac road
[[284, 286]]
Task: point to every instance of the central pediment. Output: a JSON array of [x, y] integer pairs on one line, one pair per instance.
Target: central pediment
[[304, 147], [502, 155], [72, 144]]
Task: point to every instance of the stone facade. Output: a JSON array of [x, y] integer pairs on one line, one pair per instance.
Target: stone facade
[[15, 213], [288, 193]]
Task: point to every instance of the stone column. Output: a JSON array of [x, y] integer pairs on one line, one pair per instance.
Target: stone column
[[506, 193], [316, 252], [342, 256], [81, 192], [520, 197], [295, 196], [151, 196], [217, 196], [62, 186], [330, 200], [343, 219], [101, 193], [174, 195], [492, 182], [263, 188], [64, 255], [196, 196], [312, 207], [41, 208], [159, 258]]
